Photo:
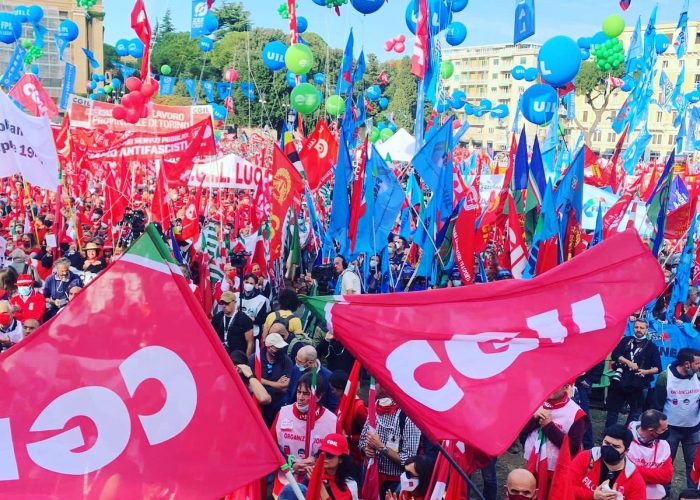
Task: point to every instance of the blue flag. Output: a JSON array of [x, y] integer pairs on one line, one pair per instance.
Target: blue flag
[[521, 164], [635, 53], [569, 193], [13, 72], [679, 293], [678, 97], [413, 190], [175, 247], [549, 146], [68, 85], [224, 89], [167, 85], [524, 20], [360, 69], [433, 157], [199, 10], [598, 232], [657, 205], [680, 39], [340, 206], [345, 74], [94, 63], [635, 150], [191, 87], [547, 227], [208, 88], [536, 178]]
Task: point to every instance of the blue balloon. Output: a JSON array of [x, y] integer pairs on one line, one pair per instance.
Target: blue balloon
[[599, 39], [456, 33], [384, 103], [95, 77], [442, 105], [290, 78], [391, 126], [22, 13], [531, 74], [459, 97], [116, 83], [319, 78], [93, 85], [10, 28], [373, 93], [584, 43], [381, 126], [92, 97], [559, 60], [210, 23], [100, 91], [459, 5], [539, 103], [412, 16], [35, 14], [273, 55], [661, 43], [468, 109], [220, 111], [693, 96], [135, 48], [122, 47], [367, 6], [206, 44], [322, 3], [585, 54], [500, 111], [479, 111], [68, 30], [486, 104], [441, 16], [302, 24], [518, 72], [35, 69], [627, 85]]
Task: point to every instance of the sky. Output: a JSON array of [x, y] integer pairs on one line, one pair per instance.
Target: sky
[[487, 21]]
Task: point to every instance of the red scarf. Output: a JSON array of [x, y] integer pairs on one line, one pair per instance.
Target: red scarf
[[302, 416], [556, 405], [387, 410]]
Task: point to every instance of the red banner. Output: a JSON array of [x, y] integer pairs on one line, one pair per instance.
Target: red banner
[[319, 154], [285, 185], [29, 92]]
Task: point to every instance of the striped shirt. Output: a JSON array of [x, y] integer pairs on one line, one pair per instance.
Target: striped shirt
[[388, 430]]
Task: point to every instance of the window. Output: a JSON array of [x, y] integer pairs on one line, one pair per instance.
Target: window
[[659, 116], [494, 89], [491, 130], [508, 75], [611, 136], [457, 64], [697, 38], [585, 116], [494, 76], [697, 79], [63, 14], [495, 62], [670, 140], [523, 60], [456, 77], [664, 64], [595, 136]]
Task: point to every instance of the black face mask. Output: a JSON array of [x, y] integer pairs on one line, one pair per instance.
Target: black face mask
[[610, 455], [665, 435]]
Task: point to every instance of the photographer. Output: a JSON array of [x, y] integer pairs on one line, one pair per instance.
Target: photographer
[[252, 384], [636, 360]]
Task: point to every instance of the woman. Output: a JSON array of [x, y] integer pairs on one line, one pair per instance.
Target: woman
[[92, 265], [415, 479], [337, 469]]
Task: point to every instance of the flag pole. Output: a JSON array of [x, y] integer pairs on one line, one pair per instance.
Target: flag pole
[[460, 471]]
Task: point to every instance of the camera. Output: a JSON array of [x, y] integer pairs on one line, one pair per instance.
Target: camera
[[617, 373], [325, 277], [239, 259]]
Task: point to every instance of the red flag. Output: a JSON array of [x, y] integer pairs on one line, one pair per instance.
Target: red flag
[[517, 249], [678, 220], [286, 185], [357, 203], [471, 355], [370, 487], [463, 240], [116, 194], [313, 491], [318, 155], [615, 214], [615, 183], [344, 413], [190, 222], [142, 28], [251, 491], [29, 92], [160, 206], [421, 48], [110, 414], [561, 484]]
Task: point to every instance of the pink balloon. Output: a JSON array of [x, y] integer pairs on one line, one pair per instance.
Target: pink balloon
[[456, 124], [133, 83], [149, 88], [399, 48], [145, 111], [389, 45], [401, 38], [119, 112], [231, 75], [132, 115]]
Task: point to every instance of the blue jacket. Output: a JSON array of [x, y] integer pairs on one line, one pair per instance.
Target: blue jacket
[[330, 400]]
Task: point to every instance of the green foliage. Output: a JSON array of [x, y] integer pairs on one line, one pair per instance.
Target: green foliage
[[232, 17], [110, 54], [590, 79], [402, 92], [182, 53]]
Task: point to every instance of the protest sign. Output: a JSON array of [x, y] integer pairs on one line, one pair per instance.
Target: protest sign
[[231, 171]]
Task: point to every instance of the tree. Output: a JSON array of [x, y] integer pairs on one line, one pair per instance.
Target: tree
[[166, 25], [109, 55], [182, 53], [592, 83], [402, 92], [232, 16]]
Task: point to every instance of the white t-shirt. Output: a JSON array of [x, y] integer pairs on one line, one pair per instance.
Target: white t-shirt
[[350, 283]]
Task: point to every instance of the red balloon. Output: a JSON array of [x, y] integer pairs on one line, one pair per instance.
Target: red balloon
[[456, 124], [401, 38], [137, 100], [231, 75], [133, 83], [399, 48], [145, 111], [132, 115], [389, 45], [148, 89], [119, 112]]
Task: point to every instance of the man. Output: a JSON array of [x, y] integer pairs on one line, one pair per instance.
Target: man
[[558, 417], [288, 303], [253, 303], [307, 359], [395, 440], [234, 328], [57, 286], [73, 292], [276, 367], [677, 394], [10, 328], [27, 303], [650, 453], [22, 264], [29, 326], [521, 484], [637, 359], [604, 473], [348, 281]]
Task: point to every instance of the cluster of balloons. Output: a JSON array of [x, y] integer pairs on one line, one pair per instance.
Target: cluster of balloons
[[456, 33], [441, 15], [610, 55], [134, 105], [374, 94], [396, 44], [133, 48], [381, 134], [33, 52], [93, 86], [283, 10], [11, 22], [367, 6], [86, 3], [331, 4], [522, 73], [486, 106]]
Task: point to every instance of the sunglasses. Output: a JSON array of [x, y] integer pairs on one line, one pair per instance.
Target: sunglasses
[[223, 303], [328, 455]]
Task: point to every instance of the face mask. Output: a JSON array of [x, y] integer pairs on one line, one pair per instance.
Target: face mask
[[518, 497], [248, 287], [5, 319], [24, 291], [456, 282], [610, 455], [373, 264], [665, 435], [301, 367], [385, 401], [408, 484], [351, 268], [302, 408]]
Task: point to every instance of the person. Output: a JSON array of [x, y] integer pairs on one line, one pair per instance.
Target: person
[[520, 484], [395, 440], [73, 292], [358, 411], [289, 428], [288, 303], [92, 265], [276, 367], [604, 472], [57, 286], [348, 282], [637, 360], [558, 417], [234, 328], [337, 469], [306, 359], [253, 303], [258, 391], [21, 264], [689, 494], [29, 326], [415, 479], [27, 303], [677, 394], [10, 328], [334, 354], [650, 453]]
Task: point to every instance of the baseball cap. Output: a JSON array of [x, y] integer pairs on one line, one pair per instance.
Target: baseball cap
[[228, 297], [335, 444], [25, 280], [275, 340]]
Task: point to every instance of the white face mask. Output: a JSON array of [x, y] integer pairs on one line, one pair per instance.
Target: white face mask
[[408, 484], [302, 408], [24, 291], [373, 264], [248, 287], [385, 401]]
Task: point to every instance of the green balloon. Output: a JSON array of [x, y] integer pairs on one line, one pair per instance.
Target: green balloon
[[614, 25], [386, 134], [608, 66], [26, 43], [335, 105], [108, 89], [299, 59], [305, 98], [165, 70], [374, 135], [447, 69]]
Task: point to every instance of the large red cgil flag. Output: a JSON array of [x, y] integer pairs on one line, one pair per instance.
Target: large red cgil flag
[[446, 355], [142, 27]]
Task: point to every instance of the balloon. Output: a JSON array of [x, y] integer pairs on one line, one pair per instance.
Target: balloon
[[231, 75], [468, 109], [132, 115], [21, 11], [10, 28], [531, 74], [35, 14], [119, 112], [459, 97], [518, 72], [627, 85], [319, 78], [459, 5], [693, 96], [210, 23], [116, 83], [374, 135], [305, 98], [447, 69], [539, 103], [34, 69], [26, 44], [133, 83], [400, 39], [456, 33], [122, 47], [135, 48], [584, 43], [68, 30], [299, 59], [149, 88], [399, 48], [165, 70], [441, 16], [614, 25], [381, 126], [486, 104], [559, 60], [335, 105], [206, 44], [302, 24], [500, 111], [384, 102], [322, 3], [585, 54], [273, 55], [373, 93], [599, 38], [92, 85], [661, 43], [392, 126], [109, 89], [367, 6], [100, 91], [442, 105], [386, 134], [389, 45]]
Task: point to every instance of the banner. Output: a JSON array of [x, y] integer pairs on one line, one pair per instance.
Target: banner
[[29, 92], [68, 85], [524, 20], [91, 114], [224, 89], [167, 84], [27, 146], [230, 171], [14, 67], [191, 87], [208, 88], [199, 10]]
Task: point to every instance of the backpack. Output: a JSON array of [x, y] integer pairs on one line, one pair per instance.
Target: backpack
[[425, 446], [283, 321]]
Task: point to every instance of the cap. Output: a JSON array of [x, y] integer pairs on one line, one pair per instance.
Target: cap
[[25, 280], [228, 297], [335, 444], [17, 254], [275, 340], [92, 246]]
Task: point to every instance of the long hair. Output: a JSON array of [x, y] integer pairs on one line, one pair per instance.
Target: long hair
[[424, 469], [346, 470]]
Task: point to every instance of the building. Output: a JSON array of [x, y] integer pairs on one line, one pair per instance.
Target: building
[[51, 69]]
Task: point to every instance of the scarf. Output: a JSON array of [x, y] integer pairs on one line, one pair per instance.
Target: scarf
[[302, 416], [556, 405], [387, 410]]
